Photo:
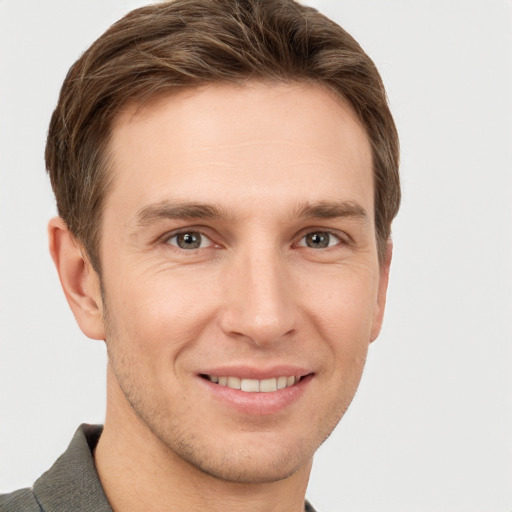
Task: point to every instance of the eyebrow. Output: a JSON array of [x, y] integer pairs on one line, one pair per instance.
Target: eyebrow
[[331, 210], [191, 211], [178, 210]]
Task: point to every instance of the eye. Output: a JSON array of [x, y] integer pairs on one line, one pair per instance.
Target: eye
[[319, 240], [190, 240]]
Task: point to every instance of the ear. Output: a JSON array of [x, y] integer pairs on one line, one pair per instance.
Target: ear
[[80, 282], [381, 293]]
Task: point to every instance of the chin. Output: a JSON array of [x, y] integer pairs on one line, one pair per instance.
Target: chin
[[250, 458], [250, 468]]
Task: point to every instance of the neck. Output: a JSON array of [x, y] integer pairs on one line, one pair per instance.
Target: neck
[[137, 469]]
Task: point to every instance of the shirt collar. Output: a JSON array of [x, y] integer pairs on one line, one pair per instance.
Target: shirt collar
[[72, 483]]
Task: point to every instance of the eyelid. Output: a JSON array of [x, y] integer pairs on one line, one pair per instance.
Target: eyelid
[[165, 239], [209, 243], [341, 236]]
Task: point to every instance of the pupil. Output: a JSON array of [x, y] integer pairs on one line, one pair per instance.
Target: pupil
[[318, 240], [189, 240]]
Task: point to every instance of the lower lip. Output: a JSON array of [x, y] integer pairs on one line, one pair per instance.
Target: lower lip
[[258, 403]]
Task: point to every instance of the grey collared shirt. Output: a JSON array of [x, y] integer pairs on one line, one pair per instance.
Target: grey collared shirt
[[71, 484]]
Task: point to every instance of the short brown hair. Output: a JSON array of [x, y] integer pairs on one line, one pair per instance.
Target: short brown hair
[[163, 48]]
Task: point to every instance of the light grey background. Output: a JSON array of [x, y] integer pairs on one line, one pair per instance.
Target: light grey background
[[431, 426]]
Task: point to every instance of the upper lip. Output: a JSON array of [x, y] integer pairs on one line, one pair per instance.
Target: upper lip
[[260, 373]]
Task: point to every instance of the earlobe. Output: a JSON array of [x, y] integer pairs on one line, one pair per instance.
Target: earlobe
[[382, 292], [80, 282]]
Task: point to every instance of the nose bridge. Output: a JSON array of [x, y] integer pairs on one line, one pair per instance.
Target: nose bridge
[[258, 303]]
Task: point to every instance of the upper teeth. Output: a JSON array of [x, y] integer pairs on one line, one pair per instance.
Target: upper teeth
[[254, 385]]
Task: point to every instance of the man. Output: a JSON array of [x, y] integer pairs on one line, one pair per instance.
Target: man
[[226, 174]]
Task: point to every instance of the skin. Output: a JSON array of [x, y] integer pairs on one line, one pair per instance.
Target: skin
[[283, 165]]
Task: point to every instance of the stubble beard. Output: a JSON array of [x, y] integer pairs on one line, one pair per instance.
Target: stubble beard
[[230, 464]]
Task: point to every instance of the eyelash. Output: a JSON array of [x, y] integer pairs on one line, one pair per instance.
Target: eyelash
[[341, 240], [167, 238], [330, 234]]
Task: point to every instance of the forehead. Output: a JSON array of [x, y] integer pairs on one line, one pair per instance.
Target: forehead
[[245, 144]]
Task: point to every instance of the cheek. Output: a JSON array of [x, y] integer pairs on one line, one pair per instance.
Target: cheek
[[155, 314], [343, 302], [152, 329]]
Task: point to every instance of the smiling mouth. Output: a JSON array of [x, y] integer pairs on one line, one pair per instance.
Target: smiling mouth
[[255, 385]]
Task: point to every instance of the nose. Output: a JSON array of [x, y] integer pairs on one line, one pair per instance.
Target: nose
[[258, 299]]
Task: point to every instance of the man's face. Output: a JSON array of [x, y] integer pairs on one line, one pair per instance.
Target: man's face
[[238, 247]]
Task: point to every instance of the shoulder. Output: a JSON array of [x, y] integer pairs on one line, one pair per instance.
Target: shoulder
[[308, 507], [22, 500], [71, 484]]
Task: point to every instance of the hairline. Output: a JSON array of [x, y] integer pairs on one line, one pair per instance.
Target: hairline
[[140, 101]]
